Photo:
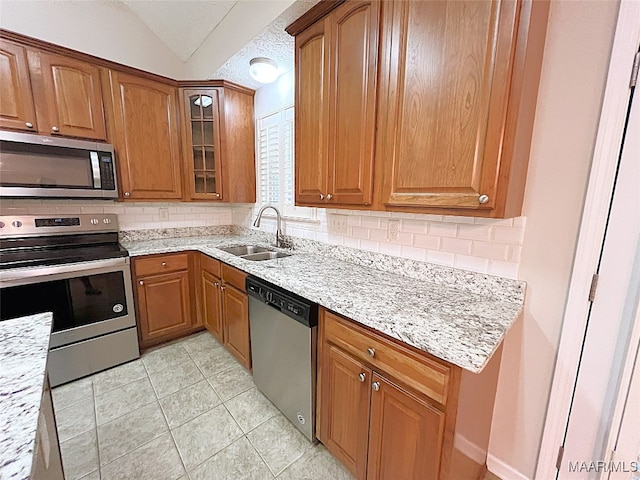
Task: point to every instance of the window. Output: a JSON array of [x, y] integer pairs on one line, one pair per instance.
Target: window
[[275, 164]]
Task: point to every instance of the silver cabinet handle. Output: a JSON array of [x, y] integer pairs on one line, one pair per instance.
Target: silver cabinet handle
[[483, 199], [127, 194], [329, 196], [321, 197], [55, 129], [217, 195], [371, 351], [216, 284], [29, 125], [375, 386], [164, 264], [223, 287], [141, 282], [362, 377]]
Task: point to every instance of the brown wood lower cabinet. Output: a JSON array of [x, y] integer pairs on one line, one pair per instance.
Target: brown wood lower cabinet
[[164, 294], [236, 324], [225, 307], [377, 427]]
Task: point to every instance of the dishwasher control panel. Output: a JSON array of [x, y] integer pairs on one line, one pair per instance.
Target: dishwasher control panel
[[289, 303]]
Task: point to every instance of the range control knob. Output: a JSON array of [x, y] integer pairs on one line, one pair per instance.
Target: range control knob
[[94, 221], [107, 221], [16, 223]]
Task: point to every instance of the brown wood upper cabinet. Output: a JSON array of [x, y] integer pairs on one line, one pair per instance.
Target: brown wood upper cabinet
[[455, 100], [218, 144], [143, 120], [65, 92], [16, 100], [336, 72]]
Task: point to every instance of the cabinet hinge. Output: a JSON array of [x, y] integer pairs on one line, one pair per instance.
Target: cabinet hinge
[[594, 287], [634, 70], [559, 457]]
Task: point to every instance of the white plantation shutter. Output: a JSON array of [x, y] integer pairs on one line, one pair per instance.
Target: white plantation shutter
[[275, 164]]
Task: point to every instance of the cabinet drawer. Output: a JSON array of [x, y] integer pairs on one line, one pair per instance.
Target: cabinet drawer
[[211, 265], [234, 277], [414, 370], [161, 264]]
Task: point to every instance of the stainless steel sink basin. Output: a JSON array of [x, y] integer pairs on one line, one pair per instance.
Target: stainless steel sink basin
[[265, 256], [242, 250]]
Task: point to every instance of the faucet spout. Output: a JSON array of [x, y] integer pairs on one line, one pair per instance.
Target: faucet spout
[[256, 223]]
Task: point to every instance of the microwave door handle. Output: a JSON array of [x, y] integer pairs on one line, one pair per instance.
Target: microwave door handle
[[95, 168]]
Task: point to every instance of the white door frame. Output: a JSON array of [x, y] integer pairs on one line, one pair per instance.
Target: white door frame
[[592, 228]]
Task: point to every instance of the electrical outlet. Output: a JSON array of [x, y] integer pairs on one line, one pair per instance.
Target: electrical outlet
[[338, 224], [392, 232], [164, 214]]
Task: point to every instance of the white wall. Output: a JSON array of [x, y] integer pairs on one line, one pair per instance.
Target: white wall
[[574, 70], [101, 28]]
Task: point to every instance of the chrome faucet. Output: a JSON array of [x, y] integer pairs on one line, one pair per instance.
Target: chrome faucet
[[278, 222]]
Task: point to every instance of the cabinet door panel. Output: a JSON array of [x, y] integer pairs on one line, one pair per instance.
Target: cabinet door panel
[[72, 100], [146, 132], [212, 305], [164, 306], [16, 101], [344, 414], [449, 75], [202, 152], [236, 324], [405, 436], [354, 45], [312, 110]]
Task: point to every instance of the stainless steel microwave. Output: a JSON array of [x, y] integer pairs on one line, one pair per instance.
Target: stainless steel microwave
[[37, 166]]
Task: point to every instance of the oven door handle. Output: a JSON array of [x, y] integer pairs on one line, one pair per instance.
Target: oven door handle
[[25, 276]]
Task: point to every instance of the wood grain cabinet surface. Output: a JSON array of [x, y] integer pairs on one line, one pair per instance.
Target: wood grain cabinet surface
[[336, 72], [377, 425], [423, 107], [143, 117], [164, 297], [211, 297], [16, 98], [218, 136], [49, 94]]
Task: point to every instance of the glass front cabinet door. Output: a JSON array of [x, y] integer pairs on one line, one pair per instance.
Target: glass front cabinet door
[[202, 146]]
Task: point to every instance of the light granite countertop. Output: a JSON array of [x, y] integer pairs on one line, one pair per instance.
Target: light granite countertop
[[24, 346], [456, 315]]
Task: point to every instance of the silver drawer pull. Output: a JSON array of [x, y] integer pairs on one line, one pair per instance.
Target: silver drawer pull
[[164, 264], [375, 386], [55, 129], [362, 377], [141, 282], [29, 125], [482, 199], [371, 351]]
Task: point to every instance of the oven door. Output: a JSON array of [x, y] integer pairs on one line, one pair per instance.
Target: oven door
[[87, 299]]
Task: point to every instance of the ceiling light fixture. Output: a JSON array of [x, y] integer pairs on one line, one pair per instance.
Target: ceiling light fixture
[[263, 70]]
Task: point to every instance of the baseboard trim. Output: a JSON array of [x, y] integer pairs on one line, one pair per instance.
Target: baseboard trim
[[502, 470], [470, 449]]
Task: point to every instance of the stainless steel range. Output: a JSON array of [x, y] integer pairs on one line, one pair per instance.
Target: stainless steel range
[[73, 266]]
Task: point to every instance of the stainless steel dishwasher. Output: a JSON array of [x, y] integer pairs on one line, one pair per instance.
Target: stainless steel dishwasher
[[283, 351]]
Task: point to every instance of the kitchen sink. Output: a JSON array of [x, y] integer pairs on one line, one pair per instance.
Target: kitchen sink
[[265, 256], [254, 253], [242, 250]]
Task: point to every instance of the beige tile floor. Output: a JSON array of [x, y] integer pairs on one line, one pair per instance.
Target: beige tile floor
[[186, 410]]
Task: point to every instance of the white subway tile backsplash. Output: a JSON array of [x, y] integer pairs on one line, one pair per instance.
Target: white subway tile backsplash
[[456, 245], [441, 258], [468, 262], [443, 229], [504, 269], [390, 249], [428, 242], [413, 253], [508, 235], [413, 226], [495, 251], [360, 232], [370, 222], [474, 232]]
